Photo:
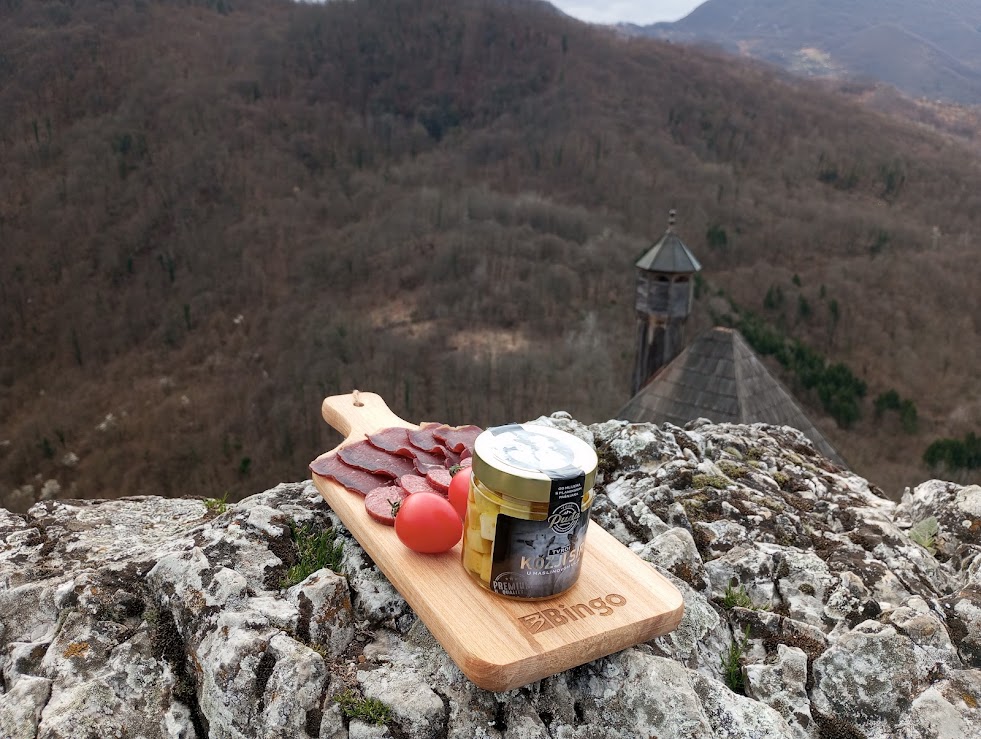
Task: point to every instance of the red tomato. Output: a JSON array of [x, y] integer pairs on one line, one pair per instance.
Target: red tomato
[[427, 523], [459, 490]]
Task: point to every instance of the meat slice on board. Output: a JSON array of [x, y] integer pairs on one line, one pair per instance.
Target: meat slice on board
[[363, 455], [355, 480], [394, 440], [440, 479], [413, 484], [424, 438], [381, 503], [426, 461], [459, 438]]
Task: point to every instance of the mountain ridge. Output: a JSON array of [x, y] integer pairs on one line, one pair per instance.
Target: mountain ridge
[[864, 39]]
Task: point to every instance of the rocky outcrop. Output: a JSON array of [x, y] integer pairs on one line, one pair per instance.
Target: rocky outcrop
[[814, 608]]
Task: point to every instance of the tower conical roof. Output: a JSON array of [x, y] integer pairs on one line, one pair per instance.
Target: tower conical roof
[[718, 376], [669, 255]]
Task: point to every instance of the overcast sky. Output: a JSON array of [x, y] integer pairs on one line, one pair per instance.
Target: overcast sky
[[640, 12]]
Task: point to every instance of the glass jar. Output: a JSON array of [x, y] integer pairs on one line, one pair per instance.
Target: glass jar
[[531, 492]]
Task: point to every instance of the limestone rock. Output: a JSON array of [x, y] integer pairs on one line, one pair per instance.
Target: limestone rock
[[962, 612], [956, 508], [782, 685], [869, 674], [675, 551], [417, 709], [804, 588], [323, 603], [20, 707]]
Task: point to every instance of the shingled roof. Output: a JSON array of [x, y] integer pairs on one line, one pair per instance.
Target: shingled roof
[[718, 376], [669, 255]]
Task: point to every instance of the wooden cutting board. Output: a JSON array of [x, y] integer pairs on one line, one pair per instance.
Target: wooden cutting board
[[619, 600]]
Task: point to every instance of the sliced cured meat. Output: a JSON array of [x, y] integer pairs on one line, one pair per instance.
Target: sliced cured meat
[[422, 468], [394, 440], [439, 478], [427, 460], [437, 457], [424, 438], [452, 457], [352, 478], [458, 438], [380, 502], [413, 484], [364, 456], [416, 459], [466, 462]]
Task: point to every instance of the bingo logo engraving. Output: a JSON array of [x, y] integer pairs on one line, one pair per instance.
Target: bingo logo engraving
[[549, 618]]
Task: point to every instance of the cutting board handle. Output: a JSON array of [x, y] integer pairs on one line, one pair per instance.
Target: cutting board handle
[[357, 414]]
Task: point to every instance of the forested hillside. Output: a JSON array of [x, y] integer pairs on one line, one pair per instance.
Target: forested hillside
[[214, 214]]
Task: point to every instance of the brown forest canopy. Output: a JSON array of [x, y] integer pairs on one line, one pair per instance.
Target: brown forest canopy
[[213, 214]]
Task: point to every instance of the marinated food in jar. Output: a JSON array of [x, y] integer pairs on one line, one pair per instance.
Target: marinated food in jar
[[528, 507]]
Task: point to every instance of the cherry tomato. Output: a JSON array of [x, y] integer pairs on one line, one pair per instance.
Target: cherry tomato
[[459, 490], [427, 523]]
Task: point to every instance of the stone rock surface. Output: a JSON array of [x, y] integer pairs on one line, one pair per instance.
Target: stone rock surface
[[814, 607]]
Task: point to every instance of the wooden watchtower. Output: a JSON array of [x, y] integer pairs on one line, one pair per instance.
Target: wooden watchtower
[[665, 289]]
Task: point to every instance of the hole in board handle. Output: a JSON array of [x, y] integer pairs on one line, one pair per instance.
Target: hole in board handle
[[357, 399]]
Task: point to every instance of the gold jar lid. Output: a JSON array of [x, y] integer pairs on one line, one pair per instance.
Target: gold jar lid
[[524, 461]]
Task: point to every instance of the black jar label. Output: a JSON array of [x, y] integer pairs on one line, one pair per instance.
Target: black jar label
[[565, 501], [538, 559]]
